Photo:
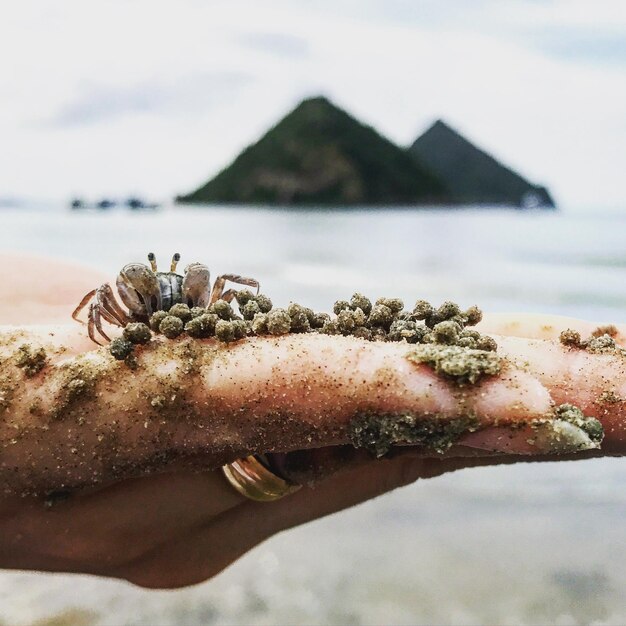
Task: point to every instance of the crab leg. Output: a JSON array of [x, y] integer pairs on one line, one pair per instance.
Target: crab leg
[[91, 324], [82, 305], [106, 314], [229, 295], [220, 281], [105, 307], [97, 311], [98, 321], [107, 299], [95, 323]]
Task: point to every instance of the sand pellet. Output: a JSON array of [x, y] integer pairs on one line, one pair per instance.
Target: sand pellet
[[181, 311], [171, 326], [222, 309], [120, 348], [278, 322], [136, 332], [386, 320]]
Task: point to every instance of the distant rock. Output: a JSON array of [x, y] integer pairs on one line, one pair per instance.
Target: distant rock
[[9, 202], [106, 203], [320, 155], [473, 176], [137, 204]]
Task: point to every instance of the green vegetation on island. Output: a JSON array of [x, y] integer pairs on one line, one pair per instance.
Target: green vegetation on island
[[320, 155], [473, 176]]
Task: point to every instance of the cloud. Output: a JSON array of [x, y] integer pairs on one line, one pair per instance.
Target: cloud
[[190, 94], [586, 45], [564, 29], [278, 44]]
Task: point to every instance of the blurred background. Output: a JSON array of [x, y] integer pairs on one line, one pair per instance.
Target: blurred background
[[110, 111]]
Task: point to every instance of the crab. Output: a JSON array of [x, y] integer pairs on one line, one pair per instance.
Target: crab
[[144, 291]]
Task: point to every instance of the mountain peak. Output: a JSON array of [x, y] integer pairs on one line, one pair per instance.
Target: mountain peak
[[321, 101], [472, 175], [442, 131], [440, 124]]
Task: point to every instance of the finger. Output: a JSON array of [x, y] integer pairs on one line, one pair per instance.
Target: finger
[[360, 480], [160, 501], [213, 546], [218, 543], [577, 377], [112, 525], [189, 400]]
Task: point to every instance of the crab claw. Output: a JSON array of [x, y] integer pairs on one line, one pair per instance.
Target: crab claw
[[138, 287], [196, 285]]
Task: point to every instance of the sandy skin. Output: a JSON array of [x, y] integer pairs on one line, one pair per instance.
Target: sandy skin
[[178, 526], [83, 419]]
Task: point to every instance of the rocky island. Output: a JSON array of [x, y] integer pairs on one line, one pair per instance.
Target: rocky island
[[473, 176], [319, 155]]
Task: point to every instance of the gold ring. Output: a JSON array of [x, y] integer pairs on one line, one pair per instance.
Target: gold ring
[[252, 478]]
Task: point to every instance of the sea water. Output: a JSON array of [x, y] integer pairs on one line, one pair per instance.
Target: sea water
[[533, 543]]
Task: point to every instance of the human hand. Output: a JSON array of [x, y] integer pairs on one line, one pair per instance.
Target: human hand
[[180, 526]]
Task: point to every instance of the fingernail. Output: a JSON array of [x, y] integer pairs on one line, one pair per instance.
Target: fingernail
[[564, 431], [570, 430], [561, 437]]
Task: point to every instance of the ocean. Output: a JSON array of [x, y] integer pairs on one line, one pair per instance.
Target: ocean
[[527, 544]]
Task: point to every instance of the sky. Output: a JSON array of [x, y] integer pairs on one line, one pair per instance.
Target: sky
[[154, 97]]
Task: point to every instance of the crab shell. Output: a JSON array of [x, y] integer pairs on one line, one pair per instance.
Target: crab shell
[[144, 291]]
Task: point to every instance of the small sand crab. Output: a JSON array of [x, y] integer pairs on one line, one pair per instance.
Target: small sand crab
[[144, 290]]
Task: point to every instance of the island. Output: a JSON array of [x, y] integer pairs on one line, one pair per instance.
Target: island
[[320, 155], [471, 175]]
